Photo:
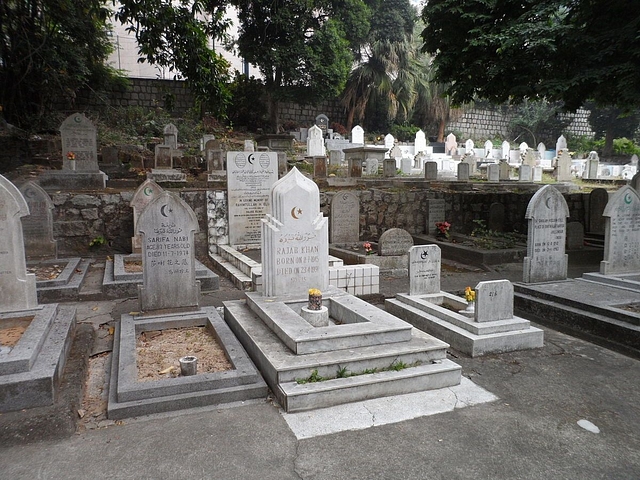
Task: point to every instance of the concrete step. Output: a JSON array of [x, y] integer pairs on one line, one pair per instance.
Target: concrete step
[[228, 270], [238, 259]]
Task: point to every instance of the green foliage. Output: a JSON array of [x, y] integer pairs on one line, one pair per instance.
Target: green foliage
[[488, 239], [247, 106], [514, 50], [97, 242], [313, 378], [537, 122], [49, 50], [175, 35], [404, 133]]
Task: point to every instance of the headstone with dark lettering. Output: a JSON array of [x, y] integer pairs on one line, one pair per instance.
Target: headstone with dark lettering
[[167, 227], [564, 167], [322, 122], [394, 241], [598, 200], [546, 259], [345, 218], [592, 166], [622, 233], [295, 239], [37, 227], [170, 133], [250, 177], [435, 213], [144, 195], [424, 269], [79, 144], [17, 287]]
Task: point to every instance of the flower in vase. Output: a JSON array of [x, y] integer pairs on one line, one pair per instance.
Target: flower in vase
[[367, 248], [470, 294], [443, 228]]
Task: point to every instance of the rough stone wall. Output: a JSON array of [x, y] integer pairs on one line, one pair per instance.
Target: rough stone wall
[[305, 115]]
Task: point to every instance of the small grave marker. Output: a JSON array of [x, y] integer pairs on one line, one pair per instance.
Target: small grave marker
[[435, 213], [37, 227], [345, 218], [394, 241], [494, 301], [424, 269]]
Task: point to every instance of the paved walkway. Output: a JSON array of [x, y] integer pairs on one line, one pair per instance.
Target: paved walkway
[[526, 426]]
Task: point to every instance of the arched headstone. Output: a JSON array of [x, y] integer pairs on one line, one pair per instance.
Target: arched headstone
[[143, 196], [622, 233], [37, 227], [345, 218]]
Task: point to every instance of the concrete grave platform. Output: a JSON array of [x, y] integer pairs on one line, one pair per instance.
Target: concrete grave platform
[[428, 312], [629, 281], [66, 286], [361, 341], [604, 314], [118, 283], [65, 180], [129, 397], [30, 371]]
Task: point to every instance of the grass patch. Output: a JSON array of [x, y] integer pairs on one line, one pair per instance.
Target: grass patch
[[342, 372]]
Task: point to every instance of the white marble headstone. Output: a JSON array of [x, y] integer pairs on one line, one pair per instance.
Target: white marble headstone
[[506, 147], [593, 164], [357, 135], [424, 269], [295, 240], [17, 287], [389, 141], [564, 167], [420, 142], [622, 233], [451, 145], [315, 142], [468, 147], [143, 196], [494, 301], [523, 147], [541, 149], [561, 143], [488, 148], [547, 214]]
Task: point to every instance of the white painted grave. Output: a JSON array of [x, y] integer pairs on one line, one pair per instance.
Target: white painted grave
[[424, 269], [494, 301], [315, 142], [357, 135]]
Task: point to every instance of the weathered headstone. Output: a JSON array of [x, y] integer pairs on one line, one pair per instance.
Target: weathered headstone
[[435, 213], [493, 172], [389, 141], [322, 122], [214, 156], [110, 155], [561, 143], [635, 182], [575, 236], [420, 142], [598, 200], [525, 173], [357, 135], [163, 157], [250, 177], [593, 164], [79, 137], [406, 165], [167, 227], [468, 147], [451, 145], [389, 167], [547, 214], [170, 134], [424, 269], [315, 142], [394, 241], [488, 148], [295, 241], [472, 162], [371, 166], [345, 218], [37, 227], [143, 196], [335, 158], [541, 149], [503, 171], [530, 158], [463, 172], [207, 137], [506, 147], [249, 146], [622, 233], [496, 217], [494, 301], [17, 287], [319, 167], [395, 152], [564, 167], [537, 174], [431, 170]]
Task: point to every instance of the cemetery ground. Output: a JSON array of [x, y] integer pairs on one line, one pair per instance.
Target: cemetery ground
[[528, 428]]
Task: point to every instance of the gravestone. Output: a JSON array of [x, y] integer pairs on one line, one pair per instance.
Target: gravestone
[[406, 165], [523, 147], [451, 145], [389, 167], [470, 160], [37, 227], [564, 167], [170, 134], [357, 135], [488, 148], [167, 227], [493, 172], [214, 156], [494, 301], [17, 287], [389, 141], [575, 236], [371, 166], [335, 158], [468, 147], [541, 149], [79, 137], [547, 214], [598, 200], [525, 173], [315, 142], [319, 167], [395, 152], [463, 172], [250, 177], [506, 147], [295, 241], [249, 146], [537, 174], [592, 166], [207, 137], [163, 157], [143, 196], [424, 269], [622, 233], [322, 122], [561, 144], [530, 158], [496, 217], [635, 182], [420, 142], [435, 213], [431, 170], [394, 241], [503, 170], [345, 218]]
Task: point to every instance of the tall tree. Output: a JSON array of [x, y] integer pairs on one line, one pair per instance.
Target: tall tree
[[611, 123], [303, 48], [177, 35], [511, 50], [49, 49]]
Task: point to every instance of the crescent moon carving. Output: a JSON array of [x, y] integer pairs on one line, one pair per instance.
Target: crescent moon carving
[[546, 202], [251, 158], [29, 193], [162, 210], [424, 254], [147, 191], [627, 198], [295, 213]]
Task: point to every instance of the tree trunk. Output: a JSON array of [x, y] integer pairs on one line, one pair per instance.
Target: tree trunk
[[607, 150], [350, 115], [274, 117], [441, 126]]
